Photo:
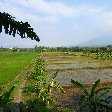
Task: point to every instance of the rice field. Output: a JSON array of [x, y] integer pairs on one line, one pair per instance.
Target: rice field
[[12, 63], [80, 68]]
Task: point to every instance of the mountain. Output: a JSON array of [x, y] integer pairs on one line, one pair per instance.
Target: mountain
[[99, 41]]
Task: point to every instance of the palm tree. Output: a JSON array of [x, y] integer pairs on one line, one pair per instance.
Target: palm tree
[[13, 27]]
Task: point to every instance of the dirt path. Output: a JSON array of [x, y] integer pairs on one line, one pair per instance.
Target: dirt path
[[17, 99], [15, 106], [22, 78], [18, 95]]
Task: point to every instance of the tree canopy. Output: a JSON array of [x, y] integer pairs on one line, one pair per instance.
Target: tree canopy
[[13, 27]]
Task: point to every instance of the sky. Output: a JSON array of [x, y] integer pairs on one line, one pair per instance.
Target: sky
[[59, 22]]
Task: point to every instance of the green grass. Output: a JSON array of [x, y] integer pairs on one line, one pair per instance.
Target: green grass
[[11, 64]]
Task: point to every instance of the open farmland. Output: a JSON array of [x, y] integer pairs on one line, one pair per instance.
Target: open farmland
[[80, 68], [12, 63]]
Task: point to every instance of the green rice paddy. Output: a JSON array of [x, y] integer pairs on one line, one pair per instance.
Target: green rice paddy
[[80, 68], [12, 63]]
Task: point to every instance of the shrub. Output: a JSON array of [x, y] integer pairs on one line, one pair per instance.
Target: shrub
[[41, 87]]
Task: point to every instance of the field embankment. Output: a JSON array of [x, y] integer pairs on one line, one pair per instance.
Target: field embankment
[[79, 68]]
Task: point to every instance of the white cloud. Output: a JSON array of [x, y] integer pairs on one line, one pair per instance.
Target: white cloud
[[12, 8], [42, 11], [98, 15], [52, 8], [39, 12]]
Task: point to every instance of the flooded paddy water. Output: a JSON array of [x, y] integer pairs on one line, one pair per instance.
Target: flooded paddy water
[[79, 68]]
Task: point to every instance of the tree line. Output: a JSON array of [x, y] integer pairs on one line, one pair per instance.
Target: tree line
[[94, 52]]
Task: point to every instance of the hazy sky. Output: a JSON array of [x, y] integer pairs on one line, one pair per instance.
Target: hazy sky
[[59, 22]]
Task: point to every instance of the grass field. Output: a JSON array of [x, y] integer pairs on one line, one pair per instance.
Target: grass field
[[11, 64], [80, 68], [77, 67]]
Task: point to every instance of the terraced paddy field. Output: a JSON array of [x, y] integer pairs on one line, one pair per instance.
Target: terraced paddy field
[[12, 63], [80, 68]]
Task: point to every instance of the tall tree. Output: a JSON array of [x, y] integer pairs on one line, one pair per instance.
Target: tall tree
[[13, 27]]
